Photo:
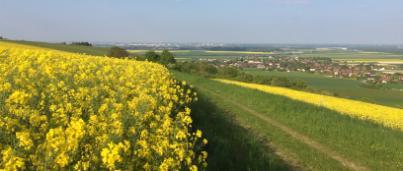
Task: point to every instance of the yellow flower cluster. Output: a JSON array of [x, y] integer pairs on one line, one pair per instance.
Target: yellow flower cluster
[[65, 111], [387, 116]]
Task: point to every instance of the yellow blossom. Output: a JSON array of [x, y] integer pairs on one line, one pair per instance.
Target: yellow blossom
[[387, 116], [75, 111]]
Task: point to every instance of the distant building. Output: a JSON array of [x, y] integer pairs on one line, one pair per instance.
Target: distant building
[[261, 66]]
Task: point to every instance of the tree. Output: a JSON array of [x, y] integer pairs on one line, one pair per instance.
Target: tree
[[167, 57], [81, 43], [152, 56], [117, 52], [1, 38]]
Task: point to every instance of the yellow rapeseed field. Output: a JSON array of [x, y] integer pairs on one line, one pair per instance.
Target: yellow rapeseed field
[[387, 116], [65, 111]]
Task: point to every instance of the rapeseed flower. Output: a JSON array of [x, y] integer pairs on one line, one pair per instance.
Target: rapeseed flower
[[66, 111]]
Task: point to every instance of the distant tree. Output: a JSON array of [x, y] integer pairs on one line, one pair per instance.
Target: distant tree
[[117, 52], [81, 43], [152, 56], [167, 57], [1, 38], [228, 72]]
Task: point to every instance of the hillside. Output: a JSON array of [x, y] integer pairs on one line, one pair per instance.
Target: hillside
[[247, 129], [90, 50], [310, 136], [69, 111]]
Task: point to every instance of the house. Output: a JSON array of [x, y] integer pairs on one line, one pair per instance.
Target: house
[[260, 66], [254, 62]]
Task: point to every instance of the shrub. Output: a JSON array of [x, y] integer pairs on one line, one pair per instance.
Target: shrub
[[117, 52], [167, 57], [228, 72], [152, 56]]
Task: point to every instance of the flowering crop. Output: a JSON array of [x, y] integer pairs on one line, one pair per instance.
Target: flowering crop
[[387, 116], [65, 111]]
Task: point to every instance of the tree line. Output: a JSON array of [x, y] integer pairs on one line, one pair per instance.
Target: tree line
[[165, 57], [209, 70]]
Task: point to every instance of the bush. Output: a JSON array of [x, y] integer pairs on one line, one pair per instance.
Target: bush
[[245, 77], [152, 56], [117, 52], [167, 57]]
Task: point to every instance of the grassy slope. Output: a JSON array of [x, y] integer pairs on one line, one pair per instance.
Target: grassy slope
[[98, 51], [363, 142], [343, 87], [232, 147]]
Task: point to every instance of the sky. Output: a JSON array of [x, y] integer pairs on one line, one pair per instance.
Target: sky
[[226, 21]]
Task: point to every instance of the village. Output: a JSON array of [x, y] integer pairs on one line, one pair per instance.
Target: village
[[366, 72]]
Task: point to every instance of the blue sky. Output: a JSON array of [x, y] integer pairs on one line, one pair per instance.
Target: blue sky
[[231, 21]]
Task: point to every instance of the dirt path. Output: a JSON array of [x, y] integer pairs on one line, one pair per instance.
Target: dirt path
[[298, 136]]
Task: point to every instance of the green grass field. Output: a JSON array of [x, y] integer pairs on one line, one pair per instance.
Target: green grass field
[[340, 140], [343, 87], [98, 51], [231, 146]]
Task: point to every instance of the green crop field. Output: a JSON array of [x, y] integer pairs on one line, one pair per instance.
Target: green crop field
[[343, 87], [311, 137]]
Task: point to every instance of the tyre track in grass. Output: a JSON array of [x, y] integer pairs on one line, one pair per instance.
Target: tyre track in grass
[[348, 163]]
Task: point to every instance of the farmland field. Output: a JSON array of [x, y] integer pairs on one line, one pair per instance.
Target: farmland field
[[240, 52], [350, 55], [387, 116], [250, 130], [343, 87], [371, 60], [192, 85], [66, 111], [316, 138], [339, 56]]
